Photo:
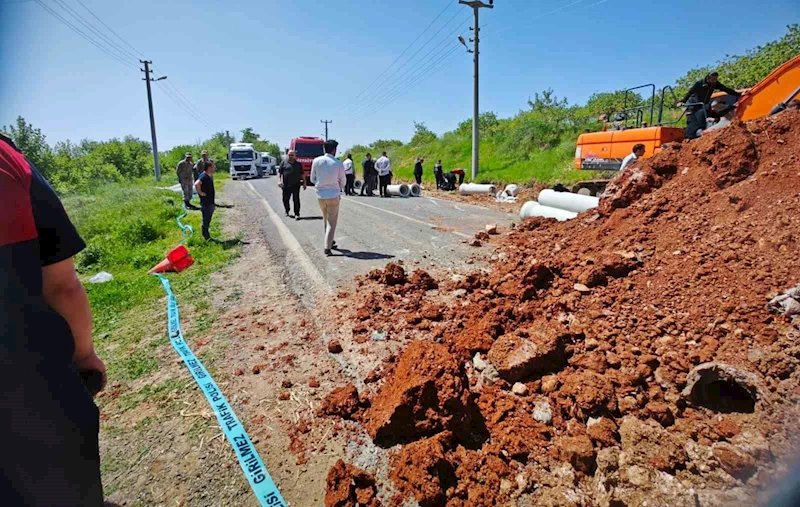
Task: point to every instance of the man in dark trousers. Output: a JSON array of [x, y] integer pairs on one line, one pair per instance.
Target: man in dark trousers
[[369, 173], [438, 173], [699, 95], [290, 178], [48, 422], [418, 170], [205, 189]]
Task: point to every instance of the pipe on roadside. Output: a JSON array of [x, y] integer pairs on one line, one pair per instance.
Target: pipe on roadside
[[401, 190], [535, 209], [568, 201], [358, 184], [512, 190], [474, 188], [415, 190]]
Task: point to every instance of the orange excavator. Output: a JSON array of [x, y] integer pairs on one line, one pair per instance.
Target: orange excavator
[[604, 151]]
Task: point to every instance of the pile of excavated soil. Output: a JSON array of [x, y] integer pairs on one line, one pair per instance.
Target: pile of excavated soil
[[628, 355]]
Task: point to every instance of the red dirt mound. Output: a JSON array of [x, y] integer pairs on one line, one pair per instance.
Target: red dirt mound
[[606, 319], [341, 402], [348, 486], [426, 394]]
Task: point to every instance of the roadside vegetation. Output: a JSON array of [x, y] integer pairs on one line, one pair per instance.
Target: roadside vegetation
[[538, 143]]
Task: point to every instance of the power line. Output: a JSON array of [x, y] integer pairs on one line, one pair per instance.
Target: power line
[[557, 9], [87, 37], [448, 4], [432, 54], [80, 19], [170, 89], [413, 73], [385, 80]]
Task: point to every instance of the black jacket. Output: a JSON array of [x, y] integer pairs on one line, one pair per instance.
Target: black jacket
[[369, 167], [702, 91], [418, 168]]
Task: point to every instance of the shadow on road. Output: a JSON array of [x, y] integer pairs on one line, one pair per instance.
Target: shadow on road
[[362, 256], [309, 218]]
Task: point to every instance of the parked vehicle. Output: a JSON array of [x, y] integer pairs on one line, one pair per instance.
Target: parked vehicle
[[269, 164], [306, 150], [245, 161]]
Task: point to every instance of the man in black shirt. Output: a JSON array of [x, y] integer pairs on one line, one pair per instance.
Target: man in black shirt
[[48, 422], [699, 95], [205, 189], [418, 170], [438, 173], [290, 178], [369, 173]]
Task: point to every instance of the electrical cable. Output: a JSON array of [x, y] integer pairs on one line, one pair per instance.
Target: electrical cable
[[448, 4], [85, 36]]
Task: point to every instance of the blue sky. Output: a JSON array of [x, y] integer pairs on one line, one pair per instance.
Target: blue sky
[[282, 66]]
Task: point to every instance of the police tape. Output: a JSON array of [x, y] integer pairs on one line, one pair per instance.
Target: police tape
[[253, 467], [187, 229]]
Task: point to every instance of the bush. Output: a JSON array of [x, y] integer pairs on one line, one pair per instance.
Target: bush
[[140, 232]]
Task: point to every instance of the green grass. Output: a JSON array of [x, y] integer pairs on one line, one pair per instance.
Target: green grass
[[128, 228], [545, 166]]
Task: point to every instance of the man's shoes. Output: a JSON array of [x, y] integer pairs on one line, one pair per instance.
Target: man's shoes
[[288, 215], [328, 252], [333, 245], [192, 207], [297, 216]]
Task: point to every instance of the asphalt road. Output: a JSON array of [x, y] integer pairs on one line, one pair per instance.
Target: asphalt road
[[371, 231]]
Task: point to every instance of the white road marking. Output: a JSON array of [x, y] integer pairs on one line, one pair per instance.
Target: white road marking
[[314, 275], [432, 226]]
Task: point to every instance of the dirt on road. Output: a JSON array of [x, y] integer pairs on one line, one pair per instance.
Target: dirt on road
[[629, 356]]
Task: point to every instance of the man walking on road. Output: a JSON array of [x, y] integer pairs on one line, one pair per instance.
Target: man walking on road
[[384, 167], [368, 165], [48, 422], [418, 170], [185, 171], [327, 173], [205, 189], [350, 174], [290, 178]]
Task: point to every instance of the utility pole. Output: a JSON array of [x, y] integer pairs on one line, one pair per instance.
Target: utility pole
[[147, 79], [326, 122], [476, 6]]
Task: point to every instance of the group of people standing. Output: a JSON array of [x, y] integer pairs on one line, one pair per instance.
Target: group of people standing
[[376, 172], [198, 177]]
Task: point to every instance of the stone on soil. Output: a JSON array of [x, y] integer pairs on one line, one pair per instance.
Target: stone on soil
[[524, 353]]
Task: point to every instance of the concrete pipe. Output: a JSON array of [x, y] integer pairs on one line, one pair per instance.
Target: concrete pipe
[[474, 188], [399, 190], [512, 190], [534, 209], [415, 190], [358, 184], [567, 201]]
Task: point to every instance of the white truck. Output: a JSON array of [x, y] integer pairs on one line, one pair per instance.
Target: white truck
[[269, 164], [245, 161]]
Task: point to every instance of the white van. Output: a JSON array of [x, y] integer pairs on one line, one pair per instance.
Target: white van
[[268, 164], [245, 161]]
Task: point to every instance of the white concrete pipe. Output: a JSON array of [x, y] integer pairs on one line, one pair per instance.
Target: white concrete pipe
[[358, 184], [512, 190], [535, 209], [399, 190], [474, 188], [415, 190], [575, 203]]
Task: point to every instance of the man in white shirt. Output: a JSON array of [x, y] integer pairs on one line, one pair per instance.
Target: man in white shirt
[[327, 174], [384, 167], [638, 152], [350, 174]]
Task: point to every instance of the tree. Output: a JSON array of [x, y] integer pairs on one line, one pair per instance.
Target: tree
[[32, 143], [249, 136], [422, 135]]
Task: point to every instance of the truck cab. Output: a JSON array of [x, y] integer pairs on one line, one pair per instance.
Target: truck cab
[[307, 149], [245, 161], [268, 164]]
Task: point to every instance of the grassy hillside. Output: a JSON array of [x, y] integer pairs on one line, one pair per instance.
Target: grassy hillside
[[538, 144]]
